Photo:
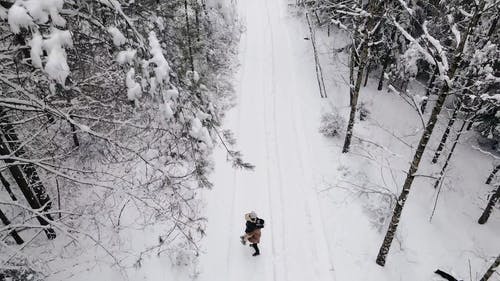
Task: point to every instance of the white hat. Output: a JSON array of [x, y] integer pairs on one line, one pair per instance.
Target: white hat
[[250, 216]]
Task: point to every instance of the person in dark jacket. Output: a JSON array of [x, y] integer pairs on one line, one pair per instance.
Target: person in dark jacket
[[252, 231]]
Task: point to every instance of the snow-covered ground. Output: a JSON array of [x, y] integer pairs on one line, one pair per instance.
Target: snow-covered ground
[[274, 120], [322, 221]]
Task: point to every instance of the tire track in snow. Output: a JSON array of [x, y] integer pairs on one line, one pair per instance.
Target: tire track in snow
[[302, 140], [276, 155], [305, 180]]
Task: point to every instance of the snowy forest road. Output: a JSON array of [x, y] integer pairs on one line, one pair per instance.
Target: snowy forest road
[[276, 114]]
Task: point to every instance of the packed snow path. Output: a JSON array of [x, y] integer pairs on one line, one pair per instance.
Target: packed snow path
[[277, 94]]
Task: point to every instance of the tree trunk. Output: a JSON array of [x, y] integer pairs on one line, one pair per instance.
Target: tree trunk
[[438, 181], [355, 95], [12, 232], [76, 142], [6, 184], [491, 270], [430, 88], [446, 133], [489, 208], [188, 34], [391, 231], [367, 74], [493, 26], [319, 70], [25, 175], [197, 20], [492, 174], [387, 58]]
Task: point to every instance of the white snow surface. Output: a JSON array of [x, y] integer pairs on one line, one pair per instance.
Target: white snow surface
[[317, 226], [36, 44], [118, 37], [134, 90], [126, 56], [57, 66], [18, 18], [25, 12], [162, 69]]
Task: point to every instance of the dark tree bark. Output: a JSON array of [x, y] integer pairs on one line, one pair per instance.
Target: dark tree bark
[[387, 58], [12, 232], [372, 24], [492, 174], [493, 26], [489, 208], [410, 176], [76, 142], [188, 34], [355, 96], [25, 175], [443, 169], [366, 74], [6, 184], [491, 270], [445, 275], [446, 133], [197, 20]]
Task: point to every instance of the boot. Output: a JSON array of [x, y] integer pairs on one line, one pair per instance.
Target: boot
[[257, 252]]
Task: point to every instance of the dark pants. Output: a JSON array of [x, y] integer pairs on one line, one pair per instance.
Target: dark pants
[[254, 245]]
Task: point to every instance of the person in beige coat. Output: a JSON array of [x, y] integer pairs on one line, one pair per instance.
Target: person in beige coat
[[252, 231]]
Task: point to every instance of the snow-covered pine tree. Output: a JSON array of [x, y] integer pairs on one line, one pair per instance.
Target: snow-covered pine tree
[[476, 80], [111, 104], [366, 34], [432, 50]]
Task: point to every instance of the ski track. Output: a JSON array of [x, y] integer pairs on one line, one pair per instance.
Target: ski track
[[274, 97]]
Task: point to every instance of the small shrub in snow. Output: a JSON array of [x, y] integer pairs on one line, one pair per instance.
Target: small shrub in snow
[[363, 111], [332, 124], [19, 274]]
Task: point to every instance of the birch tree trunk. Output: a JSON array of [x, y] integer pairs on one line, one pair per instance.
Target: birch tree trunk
[[446, 133], [492, 174], [6, 184], [424, 139], [25, 175], [12, 232], [489, 208], [443, 169], [355, 94], [367, 74], [188, 34], [491, 270]]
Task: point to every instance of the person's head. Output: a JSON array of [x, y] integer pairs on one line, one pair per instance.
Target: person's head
[[252, 216]]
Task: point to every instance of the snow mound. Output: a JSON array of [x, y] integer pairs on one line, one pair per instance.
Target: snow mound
[[134, 90], [199, 132], [126, 56], [56, 66], [18, 18], [25, 13], [36, 50], [162, 68], [118, 37]]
